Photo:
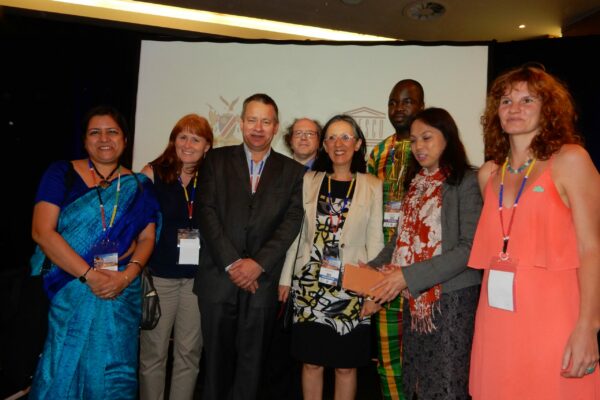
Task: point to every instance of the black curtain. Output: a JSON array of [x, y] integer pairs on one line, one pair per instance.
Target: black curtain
[[571, 60]]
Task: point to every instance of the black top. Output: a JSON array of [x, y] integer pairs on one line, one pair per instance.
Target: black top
[[173, 207]]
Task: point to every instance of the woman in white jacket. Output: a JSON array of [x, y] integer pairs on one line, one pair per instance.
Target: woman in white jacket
[[342, 225]]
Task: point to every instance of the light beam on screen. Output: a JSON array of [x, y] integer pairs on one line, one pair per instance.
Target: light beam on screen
[[303, 31]]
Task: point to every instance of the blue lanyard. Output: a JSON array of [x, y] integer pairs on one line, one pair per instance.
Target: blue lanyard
[[253, 183]]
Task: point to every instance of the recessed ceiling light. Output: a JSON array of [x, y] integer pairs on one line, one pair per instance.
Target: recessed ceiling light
[[424, 10], [522, 26]]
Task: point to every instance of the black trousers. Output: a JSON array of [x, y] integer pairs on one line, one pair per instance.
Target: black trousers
[[236, 337], [282, 374]]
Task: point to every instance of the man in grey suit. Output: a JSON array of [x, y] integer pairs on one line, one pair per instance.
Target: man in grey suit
[[250, 212]]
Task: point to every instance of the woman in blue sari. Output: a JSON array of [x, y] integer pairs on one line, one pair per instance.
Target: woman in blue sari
[[94, 223]]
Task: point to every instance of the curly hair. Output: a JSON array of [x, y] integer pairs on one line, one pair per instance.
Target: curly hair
[[557, 115], [168, 166]]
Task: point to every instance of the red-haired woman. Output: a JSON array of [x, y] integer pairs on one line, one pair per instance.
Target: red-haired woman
[[539, 311], [174, 263]]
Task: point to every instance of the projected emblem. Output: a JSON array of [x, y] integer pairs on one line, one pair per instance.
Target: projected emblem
[[371, 122], [225, 124]]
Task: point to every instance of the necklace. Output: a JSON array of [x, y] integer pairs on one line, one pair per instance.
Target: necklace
[[518, 170], [116, 205], [104, 182]]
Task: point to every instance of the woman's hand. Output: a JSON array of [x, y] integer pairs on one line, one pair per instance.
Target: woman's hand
[[390, 287], [107, 284], [581, 353], [284, 292], [369, 308]]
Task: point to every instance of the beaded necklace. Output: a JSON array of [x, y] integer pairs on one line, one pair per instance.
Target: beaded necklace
[[518, 170]]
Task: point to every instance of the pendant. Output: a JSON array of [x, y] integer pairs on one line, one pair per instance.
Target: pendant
[[104, 184]]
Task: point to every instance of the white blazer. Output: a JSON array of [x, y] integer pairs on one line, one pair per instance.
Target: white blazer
[[361, 238]]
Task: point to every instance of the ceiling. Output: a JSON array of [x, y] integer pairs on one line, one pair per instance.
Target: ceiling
[[462, 20]]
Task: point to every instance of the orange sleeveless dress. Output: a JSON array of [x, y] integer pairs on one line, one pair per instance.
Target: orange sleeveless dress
[[518, 355]]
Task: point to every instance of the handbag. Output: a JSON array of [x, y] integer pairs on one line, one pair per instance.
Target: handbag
[[150, 302]]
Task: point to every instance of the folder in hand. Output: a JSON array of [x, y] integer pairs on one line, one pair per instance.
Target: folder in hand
[[361, 279]]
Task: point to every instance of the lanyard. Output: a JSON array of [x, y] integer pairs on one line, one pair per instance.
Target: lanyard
[[114, 211], [335, 228], [255, 179], [189, 200], [506, 234]]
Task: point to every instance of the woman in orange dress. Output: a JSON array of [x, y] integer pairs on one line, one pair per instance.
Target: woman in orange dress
[[539, 311]]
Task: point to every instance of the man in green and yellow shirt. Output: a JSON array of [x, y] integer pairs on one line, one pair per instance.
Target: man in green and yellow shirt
[[389, 161]]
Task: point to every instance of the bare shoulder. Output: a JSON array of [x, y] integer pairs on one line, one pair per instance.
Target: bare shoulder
[[572, 155], [484, 173], [148, 171], [575, 174]]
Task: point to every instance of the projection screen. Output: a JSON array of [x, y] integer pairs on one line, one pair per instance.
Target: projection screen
[[315, 81]]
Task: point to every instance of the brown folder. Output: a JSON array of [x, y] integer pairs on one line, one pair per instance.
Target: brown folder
[[361, 279]]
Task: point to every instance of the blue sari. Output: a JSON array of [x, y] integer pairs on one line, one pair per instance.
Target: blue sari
[[92, 345]]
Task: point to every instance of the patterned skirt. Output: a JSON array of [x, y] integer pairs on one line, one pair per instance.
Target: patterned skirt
[[436, 365]]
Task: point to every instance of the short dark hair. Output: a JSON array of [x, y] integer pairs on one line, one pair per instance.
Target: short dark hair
[[453, 161], [416, 84], [323, 162], [290, 131], [261, 98]]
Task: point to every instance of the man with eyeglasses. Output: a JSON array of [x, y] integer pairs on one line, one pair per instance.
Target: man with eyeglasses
[[250, 209], [302, 138], [388, 161]]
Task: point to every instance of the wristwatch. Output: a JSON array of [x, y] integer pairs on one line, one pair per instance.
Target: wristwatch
[[82, 278]]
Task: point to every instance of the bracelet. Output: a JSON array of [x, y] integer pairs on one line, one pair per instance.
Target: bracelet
[[139, 264]]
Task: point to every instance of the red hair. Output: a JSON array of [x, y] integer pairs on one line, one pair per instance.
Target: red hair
[[167, 165], [557, 115]]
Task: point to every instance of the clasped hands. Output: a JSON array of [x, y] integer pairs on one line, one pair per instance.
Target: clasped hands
[[244, 274], [106, 284]]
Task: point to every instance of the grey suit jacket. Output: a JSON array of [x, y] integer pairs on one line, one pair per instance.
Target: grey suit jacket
[[461, 206], [236, 224]]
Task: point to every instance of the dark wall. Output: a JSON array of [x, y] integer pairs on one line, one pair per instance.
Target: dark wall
[[573, 61]]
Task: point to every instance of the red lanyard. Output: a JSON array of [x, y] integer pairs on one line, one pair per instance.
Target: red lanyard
[[189, 200]]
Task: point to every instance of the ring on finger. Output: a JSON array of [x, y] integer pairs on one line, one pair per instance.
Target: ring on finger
[[590, 370]]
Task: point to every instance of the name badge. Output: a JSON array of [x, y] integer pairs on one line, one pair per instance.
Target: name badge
[[391, 214], [188, 241], [106, 255], [329, 274], [501, 282]]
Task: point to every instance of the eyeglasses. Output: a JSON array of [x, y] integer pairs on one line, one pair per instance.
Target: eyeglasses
[[305, 134], [344, 138]]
